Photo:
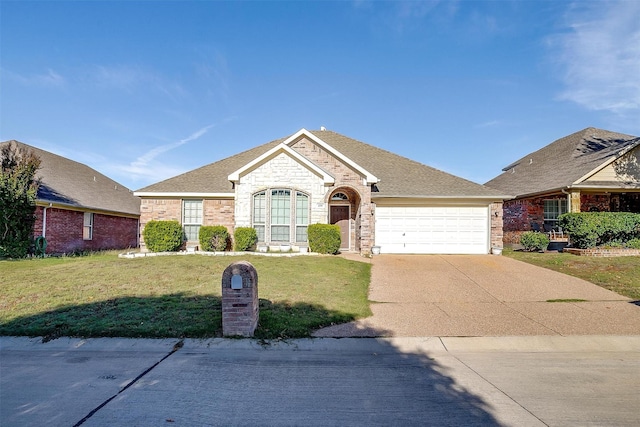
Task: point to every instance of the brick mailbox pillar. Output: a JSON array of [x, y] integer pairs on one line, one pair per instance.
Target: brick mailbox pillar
[[239, 299]]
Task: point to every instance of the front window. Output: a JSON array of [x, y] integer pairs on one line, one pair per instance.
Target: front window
[[553, 209], [191, 219], [260, 214], [281, 215], [302, 216]]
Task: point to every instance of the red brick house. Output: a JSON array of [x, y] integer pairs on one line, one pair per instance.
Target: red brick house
[[376, 197], [590, 170], [80, 209]]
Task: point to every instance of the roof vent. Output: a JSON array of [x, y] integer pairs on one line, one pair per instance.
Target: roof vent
[[530, 161], [322, 128]]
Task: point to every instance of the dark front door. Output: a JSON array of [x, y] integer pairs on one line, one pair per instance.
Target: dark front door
[[340, 216]]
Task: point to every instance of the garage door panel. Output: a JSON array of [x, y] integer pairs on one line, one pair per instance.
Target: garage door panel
[[456, 230]]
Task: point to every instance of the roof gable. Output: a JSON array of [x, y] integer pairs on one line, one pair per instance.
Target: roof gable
[[369, 177], [275, 151], [565, 162], [69, 183]]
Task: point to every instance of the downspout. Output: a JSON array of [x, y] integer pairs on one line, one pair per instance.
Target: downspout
[[44, 220]]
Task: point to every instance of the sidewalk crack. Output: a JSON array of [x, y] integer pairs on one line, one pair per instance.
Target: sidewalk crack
[[176, 347]]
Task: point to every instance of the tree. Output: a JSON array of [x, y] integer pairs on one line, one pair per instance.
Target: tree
[[18, 193]]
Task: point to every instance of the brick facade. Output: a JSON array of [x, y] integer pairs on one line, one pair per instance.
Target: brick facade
[[283, 170], [520, 214], [64, 231], [215, 212]]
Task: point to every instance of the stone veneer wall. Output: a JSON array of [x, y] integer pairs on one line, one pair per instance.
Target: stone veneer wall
[[285, 172], [497, 234]]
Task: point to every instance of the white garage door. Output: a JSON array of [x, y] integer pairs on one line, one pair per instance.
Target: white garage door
[[432, 230]]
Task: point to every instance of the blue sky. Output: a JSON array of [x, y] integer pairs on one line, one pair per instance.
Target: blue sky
[[145, 90]]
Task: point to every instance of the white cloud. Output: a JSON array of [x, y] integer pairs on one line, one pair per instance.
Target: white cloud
[[130, 78], [600, 55], [489, 124], [48, 79], [143, 161]]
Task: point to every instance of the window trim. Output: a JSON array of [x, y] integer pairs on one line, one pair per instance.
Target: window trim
[[191, 222], [558, 207], [87, 226]]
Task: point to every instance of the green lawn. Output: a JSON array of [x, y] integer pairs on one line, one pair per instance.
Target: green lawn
[[619, 274], [174, 296]]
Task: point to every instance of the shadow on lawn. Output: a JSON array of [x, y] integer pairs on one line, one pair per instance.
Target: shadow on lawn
[[174, 315]]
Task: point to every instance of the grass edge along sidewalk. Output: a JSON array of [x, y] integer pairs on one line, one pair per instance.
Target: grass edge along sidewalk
[[101, 295]]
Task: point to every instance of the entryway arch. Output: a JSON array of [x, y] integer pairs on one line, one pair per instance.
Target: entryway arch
[[344, 207]]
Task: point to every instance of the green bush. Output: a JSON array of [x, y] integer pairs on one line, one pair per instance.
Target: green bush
[[633, 244], [324, 238], [534, 241], [590, 229], [162, 236], [213, 238], [245, 238]]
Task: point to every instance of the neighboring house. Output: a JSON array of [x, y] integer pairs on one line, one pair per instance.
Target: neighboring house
[[79, 209], [376, 197], [590, 170]]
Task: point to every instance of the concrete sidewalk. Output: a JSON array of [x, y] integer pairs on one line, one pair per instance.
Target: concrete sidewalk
[[484, 295], [514, 381]]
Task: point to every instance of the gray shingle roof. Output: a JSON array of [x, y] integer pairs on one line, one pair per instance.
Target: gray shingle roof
[[399, 176], [563, 162], [67, 182]]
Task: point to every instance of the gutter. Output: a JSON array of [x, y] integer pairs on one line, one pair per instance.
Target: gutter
[[78, 208], [497, 197]]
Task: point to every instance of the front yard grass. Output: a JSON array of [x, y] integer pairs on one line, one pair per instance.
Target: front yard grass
[[102, 295], [618, 274]]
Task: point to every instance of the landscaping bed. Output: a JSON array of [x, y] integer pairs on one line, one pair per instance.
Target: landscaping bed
[[603, 252]]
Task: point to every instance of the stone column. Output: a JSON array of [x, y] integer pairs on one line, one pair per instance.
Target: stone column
[[574, 201]]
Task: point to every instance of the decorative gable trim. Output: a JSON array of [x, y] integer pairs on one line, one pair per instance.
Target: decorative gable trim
[[618, 156], [369, 177], [281, 148]]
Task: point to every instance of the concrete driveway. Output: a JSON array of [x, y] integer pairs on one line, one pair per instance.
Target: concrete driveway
[[484, 295]]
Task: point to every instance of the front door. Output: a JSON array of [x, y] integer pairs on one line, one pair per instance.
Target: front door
[[340, 215]]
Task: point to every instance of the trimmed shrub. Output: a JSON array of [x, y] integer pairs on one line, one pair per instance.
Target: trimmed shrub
[[245, 238], [213, 238], [162, 236], [534, 241], [324, 238], [590, 229]]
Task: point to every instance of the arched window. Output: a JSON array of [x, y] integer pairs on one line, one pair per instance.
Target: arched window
[[281, 215], [340, 197]]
